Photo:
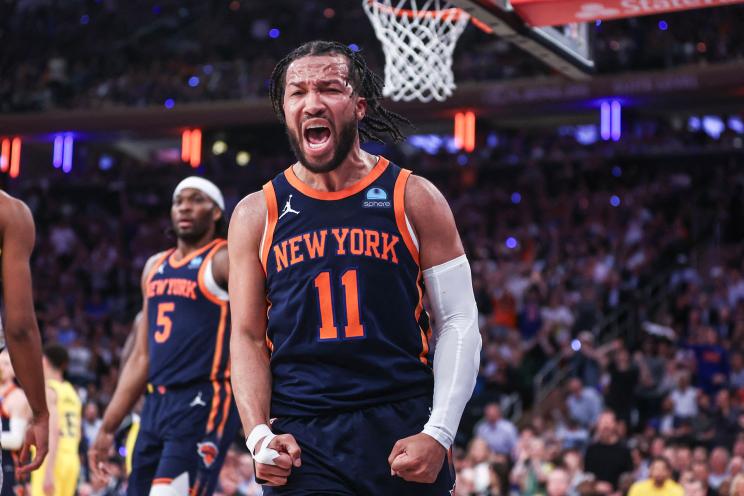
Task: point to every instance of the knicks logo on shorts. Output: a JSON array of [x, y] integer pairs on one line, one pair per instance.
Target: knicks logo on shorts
[[208, 452]]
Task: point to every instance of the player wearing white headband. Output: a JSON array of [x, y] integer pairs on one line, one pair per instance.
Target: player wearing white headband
[[180, 357]]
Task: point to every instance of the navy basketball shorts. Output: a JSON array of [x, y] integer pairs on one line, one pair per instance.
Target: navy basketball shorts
[[184, 430], [347, 453]]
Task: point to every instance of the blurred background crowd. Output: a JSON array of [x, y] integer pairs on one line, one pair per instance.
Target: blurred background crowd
[[611, 301], [100, 53]]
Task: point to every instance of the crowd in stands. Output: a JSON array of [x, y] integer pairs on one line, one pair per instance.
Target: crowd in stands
[[100, 53], [671, 402], [559, 241]]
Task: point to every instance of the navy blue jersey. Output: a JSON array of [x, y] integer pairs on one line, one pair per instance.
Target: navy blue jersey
[[188, 328], [346, 325]]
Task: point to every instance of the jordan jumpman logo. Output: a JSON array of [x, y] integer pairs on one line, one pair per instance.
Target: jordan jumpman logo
[[288, 208]]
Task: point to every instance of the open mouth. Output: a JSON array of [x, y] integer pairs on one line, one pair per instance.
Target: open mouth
[[317, 136]]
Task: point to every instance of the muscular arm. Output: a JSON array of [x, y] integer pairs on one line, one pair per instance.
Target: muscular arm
[[131, 385], [221, 268], [128, 348], [274, 456], [433, 223], [251, 376], [21, 330], [133, 375], [450, 289]]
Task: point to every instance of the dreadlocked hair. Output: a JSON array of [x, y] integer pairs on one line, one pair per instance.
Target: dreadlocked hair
[[378, 120]]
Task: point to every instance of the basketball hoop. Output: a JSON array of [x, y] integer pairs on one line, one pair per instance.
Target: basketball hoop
[[418, 41]]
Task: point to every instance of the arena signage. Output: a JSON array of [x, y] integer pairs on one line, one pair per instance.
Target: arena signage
[[558, 12]]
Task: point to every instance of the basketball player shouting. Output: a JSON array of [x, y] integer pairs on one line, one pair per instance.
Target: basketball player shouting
[[341, 245], [180, 358], [21, 330]]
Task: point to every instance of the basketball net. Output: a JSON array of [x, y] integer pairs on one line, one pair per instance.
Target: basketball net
[[418, 38]]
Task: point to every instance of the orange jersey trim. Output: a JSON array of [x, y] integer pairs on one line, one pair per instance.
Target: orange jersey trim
[[225, 409], [272, 216], [417, 315], [157, 264], [177, 264], [162, 480], [399, 205], [202, 271], [355, 188], [215, 367], [269, 343], [424, 349], [216, 388]]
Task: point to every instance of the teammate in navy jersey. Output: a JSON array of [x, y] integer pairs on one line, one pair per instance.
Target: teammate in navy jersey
[[180, 358], [21, 332], [329, 263]]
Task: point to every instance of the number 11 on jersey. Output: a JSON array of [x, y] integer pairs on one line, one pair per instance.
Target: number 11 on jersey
[[353, 327]]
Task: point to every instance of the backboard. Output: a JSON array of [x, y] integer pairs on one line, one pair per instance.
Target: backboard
[[564, 48]]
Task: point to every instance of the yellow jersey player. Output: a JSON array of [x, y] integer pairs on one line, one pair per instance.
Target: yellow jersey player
[[58, 475]]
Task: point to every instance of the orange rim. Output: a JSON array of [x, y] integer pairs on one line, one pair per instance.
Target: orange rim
[[452, 12]]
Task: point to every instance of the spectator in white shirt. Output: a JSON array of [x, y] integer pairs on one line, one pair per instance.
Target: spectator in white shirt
[[557, 316], [91, 422], [684, 398], [477, 476]]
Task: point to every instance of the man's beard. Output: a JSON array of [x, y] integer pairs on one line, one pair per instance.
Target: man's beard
[[345, 142], [192, 235]]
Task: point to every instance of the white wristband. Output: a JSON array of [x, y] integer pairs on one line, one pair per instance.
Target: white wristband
[[439, 434], [259, 432]]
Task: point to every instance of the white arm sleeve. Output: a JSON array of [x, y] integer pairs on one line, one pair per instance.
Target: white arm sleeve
[[449, 287], [13, 438]]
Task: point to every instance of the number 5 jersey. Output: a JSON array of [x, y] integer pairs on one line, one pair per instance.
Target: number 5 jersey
[[188, 320], [346, 325]]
